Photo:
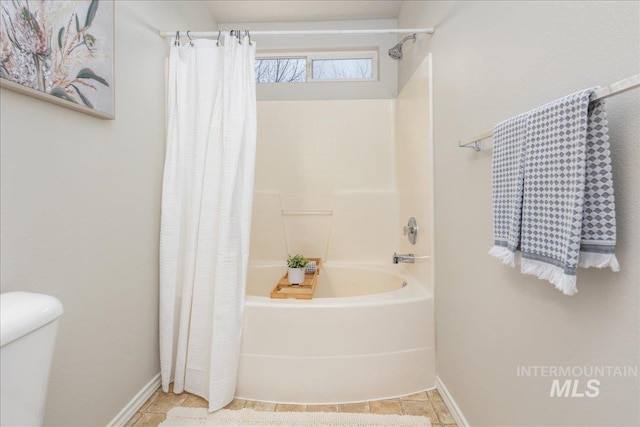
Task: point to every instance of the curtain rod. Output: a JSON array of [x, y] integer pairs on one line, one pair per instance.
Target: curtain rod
[[620, 86], [214, 34]]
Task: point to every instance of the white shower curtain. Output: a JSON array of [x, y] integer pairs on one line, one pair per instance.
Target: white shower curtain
[[206, 215]]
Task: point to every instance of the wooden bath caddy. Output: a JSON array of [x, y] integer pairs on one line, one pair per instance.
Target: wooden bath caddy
[[304, 290]]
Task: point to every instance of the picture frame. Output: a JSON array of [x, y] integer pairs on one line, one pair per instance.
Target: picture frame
[[61, 52]]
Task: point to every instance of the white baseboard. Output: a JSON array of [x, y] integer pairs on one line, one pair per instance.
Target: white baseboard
[[136, 403], [456, 413]]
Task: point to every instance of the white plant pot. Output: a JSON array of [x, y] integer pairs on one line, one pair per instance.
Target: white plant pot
[[295, 276]]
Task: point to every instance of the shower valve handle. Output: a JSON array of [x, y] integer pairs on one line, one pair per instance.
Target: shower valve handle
[[411, 230]]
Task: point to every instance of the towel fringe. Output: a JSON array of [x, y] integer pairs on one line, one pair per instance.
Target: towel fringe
[[504, 255], [563, 282], [590, 259]]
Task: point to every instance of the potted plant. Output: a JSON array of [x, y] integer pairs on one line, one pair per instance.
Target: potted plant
[[296, 264]]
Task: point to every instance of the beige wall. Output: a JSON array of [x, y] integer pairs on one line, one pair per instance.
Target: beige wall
[[80, 219], [493, 60], [325, 182]]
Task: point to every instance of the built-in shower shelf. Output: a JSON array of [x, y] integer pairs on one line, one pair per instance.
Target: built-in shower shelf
[[304, 290]]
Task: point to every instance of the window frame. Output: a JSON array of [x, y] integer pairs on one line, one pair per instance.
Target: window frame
[[310, 56]]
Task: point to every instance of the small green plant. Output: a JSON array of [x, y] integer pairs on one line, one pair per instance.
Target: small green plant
[[297, 261]]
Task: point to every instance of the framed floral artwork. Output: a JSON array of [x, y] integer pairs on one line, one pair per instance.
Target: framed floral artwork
[[60, 52]]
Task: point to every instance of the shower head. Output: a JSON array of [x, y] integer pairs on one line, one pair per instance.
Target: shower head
[[396, 51]]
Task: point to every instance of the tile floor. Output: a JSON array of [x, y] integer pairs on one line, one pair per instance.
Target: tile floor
[[426, 403]]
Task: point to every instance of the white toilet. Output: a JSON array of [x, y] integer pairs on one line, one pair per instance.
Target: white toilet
[[28, 324]]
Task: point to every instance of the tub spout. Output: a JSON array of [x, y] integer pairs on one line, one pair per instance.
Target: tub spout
[[403, 258]]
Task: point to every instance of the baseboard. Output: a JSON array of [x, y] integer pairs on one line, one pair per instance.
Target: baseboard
[[456, 413], [136, 403]]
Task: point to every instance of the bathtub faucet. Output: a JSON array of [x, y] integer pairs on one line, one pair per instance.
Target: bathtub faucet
[[404, 258], [408, 258]]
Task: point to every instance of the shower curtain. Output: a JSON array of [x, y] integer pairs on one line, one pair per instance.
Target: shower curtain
[[207, 195]]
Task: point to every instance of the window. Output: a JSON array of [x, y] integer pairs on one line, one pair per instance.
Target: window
[[317, 66]]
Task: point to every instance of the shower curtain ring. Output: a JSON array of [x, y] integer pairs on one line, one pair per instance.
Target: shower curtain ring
[[218, 41], [177, 42], [190, 39], [239, 36], [248, 34]]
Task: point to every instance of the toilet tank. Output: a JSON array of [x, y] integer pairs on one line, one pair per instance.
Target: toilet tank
[[28, 325]]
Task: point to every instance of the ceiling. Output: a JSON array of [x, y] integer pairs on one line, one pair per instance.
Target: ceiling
[[229, 11]]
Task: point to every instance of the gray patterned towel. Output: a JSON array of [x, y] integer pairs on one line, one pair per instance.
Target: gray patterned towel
[[508, 169], [560, 209]]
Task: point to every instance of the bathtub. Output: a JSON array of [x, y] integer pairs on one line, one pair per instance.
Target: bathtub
[[367, 334]]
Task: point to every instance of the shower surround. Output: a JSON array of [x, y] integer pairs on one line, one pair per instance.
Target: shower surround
[[338, 179], [321, 167]]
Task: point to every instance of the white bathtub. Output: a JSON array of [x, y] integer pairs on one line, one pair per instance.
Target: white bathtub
[[364, 336]]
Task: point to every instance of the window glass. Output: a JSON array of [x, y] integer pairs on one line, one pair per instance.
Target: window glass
[[342, 69], [281, 70]]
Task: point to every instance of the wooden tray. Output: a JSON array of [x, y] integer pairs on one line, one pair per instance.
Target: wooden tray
[[304, 290]]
